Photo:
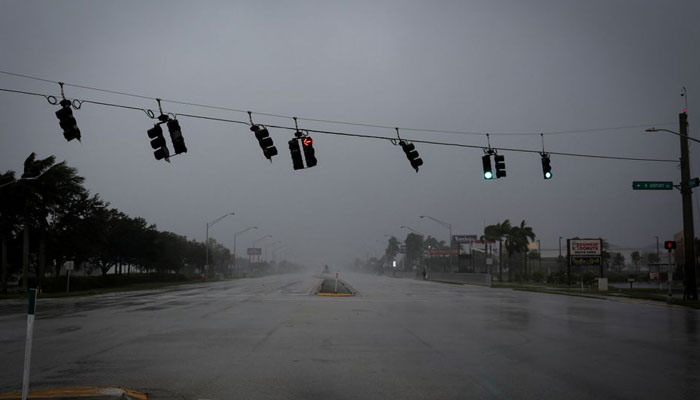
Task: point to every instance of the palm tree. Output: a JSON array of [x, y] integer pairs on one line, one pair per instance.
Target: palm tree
[[517, 241], [9, 212], [45, 190], [498, 232]]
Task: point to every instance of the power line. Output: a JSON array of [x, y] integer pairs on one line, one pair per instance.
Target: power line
[[150, 114], [409, 129]]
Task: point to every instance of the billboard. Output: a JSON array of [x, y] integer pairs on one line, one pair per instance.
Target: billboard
[[585, 247], [442, 252], [463, 238], [254, 251]]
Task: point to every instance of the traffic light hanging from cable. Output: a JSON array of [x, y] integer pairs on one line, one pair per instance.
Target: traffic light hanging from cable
[[265, 141], [486, 161], [295, 151], [309, 152], [546, 167], [411, 154], [67, 121], [500, 162], [158, 143], [176, 136]]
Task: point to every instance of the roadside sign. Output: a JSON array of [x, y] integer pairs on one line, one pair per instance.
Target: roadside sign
[[442, 252], [695, 182], [585, 247], [463, 238], [489, 261], [652, 185], [402, 249], [585, 261], [69, 265], [254, 251]]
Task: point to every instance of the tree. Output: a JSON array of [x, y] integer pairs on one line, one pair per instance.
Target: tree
[[392, 249], [47, 188], [618, 261], [414, 249], [10, 209], [498, 232], [517, 241], [636, 258]]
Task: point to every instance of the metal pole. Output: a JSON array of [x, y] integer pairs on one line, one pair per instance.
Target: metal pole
[[539, 254], [206, 244], [691, 288], [28, 343], [670, 279]]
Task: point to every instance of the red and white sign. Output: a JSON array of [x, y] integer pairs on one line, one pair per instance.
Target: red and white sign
[[442, 252], [585, 247]]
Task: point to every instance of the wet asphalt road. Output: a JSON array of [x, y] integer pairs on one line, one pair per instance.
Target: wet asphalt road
[[267, 338]]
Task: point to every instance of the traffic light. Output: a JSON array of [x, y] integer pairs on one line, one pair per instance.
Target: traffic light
[[488, 172], [265, 141], [294, 150], [670, 245], [176, 136], [546, 167], [158, 143], [67, 121], [411, 154], [309, 152], [500, 165]]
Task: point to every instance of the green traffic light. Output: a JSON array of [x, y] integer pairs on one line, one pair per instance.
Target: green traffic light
[[488, 175], [547, 175]]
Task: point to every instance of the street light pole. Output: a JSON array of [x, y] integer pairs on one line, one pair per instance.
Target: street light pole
[[235, 252], [691, 287], [206, 244], [449, 228]]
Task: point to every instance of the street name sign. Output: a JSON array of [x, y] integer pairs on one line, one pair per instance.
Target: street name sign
[[652, 185]]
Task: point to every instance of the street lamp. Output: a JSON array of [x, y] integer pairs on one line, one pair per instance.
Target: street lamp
[[210, 224], [235, 252], [449, 227]]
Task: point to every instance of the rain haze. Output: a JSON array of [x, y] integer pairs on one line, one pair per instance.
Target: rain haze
[[478, 66], [325, 311]]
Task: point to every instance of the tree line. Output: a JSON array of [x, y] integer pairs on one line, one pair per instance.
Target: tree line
[[47, 217]]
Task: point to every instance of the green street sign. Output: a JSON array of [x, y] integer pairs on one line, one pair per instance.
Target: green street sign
[[652, 185]]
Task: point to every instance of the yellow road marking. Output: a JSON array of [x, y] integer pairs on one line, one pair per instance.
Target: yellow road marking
[[76, 391]]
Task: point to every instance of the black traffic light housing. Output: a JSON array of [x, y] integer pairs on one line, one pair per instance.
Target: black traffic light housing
[[158, 142], [67, 121], [295, 151], [670, 245], [176, 136], [500, 162], [411, 154], [264, 140], [546, 167], [486, 161], [309, 152]]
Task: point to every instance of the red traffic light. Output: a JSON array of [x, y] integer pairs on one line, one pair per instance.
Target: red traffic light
[[670, 245], [307, 141]]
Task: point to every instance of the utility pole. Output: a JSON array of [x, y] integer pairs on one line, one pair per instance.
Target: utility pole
[[691, 287]]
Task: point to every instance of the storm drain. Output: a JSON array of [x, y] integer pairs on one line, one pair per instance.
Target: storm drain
[[332, 287]]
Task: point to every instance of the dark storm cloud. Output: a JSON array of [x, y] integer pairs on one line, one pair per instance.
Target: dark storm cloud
[[484, 66]]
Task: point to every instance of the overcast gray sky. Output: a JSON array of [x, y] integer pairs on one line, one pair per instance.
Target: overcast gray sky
[[478, 66]]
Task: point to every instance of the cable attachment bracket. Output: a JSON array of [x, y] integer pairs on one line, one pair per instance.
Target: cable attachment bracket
[[398, 139], [163, 118], [297, 132], [489, 150], [250, 117]]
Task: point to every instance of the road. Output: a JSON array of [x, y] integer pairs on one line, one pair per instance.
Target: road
[[267, 338]]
